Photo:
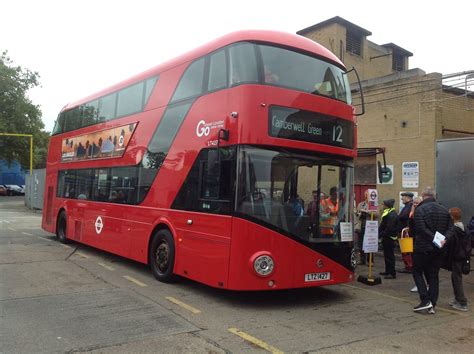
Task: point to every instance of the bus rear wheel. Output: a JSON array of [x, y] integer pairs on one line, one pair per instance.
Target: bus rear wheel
[[61, 228], [161, 256]]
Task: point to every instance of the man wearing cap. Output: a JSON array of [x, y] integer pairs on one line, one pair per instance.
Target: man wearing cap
[[403, 217], [388, 233]]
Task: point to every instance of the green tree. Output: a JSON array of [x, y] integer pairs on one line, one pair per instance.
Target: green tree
[[19, 115]]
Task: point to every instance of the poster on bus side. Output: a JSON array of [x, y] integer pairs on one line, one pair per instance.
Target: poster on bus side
[[97, 145]]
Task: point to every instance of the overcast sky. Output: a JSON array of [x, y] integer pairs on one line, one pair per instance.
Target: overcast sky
[[81, 47]]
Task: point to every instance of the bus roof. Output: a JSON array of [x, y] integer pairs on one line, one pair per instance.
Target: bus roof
[[275, 37]]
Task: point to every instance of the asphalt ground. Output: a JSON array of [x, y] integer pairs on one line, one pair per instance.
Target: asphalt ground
[[74, 298]]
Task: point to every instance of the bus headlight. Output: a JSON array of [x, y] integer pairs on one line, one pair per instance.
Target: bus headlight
[[263, 265]]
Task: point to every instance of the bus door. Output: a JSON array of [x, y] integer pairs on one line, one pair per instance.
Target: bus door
[[106, 225], [204, 235]]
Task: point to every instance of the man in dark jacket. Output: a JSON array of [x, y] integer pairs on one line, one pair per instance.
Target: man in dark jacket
[[430, 217], [388, 231], [403, 219]]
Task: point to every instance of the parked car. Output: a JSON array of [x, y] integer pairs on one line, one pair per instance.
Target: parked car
[[3, 190], [13, 189]]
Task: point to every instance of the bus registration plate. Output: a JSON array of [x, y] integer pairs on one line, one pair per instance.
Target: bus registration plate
[[317, 276]]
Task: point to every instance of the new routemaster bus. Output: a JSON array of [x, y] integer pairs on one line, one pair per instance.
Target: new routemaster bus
[[231, 165]]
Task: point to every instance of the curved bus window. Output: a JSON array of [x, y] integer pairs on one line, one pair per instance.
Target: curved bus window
[[298, 71], [217, 71], [295, 193], [59, 124], [243, 63], [191, 82]]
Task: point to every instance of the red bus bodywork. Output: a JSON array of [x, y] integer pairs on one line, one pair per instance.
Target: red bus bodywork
[[217, 250]]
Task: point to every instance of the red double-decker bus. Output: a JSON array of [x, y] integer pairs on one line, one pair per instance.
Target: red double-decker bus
[[231, 165]]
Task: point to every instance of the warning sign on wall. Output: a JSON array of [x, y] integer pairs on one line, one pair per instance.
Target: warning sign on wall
[[410, 174]]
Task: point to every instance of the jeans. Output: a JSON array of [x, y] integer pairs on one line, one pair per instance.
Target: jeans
[[456, 280], [427, 264], [389, 255]]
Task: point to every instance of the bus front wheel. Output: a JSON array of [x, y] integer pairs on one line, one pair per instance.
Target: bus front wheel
[[162, 251], [61, 228]]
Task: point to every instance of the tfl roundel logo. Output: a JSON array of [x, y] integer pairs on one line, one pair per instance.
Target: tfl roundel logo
[[98, 225], [202, 129]]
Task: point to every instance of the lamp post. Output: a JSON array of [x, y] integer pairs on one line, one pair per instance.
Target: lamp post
[[31, 146]]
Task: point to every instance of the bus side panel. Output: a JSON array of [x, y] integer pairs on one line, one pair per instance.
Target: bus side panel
[[203, 247], [292, 260], [102, 225]]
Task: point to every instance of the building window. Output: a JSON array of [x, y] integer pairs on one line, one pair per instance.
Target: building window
[[398, 62], [354, 43]]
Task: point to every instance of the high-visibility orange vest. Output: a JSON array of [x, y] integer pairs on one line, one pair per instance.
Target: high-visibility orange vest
[[329, 207]]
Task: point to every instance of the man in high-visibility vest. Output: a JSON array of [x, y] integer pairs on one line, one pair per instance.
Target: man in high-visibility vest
[[388, 233], [329, 218]]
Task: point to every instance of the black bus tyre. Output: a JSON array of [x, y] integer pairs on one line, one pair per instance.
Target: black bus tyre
[[61, 228], [161, 256]]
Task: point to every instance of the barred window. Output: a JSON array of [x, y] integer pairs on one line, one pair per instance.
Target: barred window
[[398, 62], [354, 43]]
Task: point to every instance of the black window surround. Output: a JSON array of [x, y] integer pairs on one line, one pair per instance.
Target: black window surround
[[129, 100], [124, 185]]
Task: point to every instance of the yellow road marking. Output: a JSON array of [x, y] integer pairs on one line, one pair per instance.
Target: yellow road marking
[[133, 280], [401, 299], [82, 255], [255, 341], [26, 233], [183, 305], [106, 266]]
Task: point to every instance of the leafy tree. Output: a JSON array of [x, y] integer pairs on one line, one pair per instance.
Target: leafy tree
[[19, 115]]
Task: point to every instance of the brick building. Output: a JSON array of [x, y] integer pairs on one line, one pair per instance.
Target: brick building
[[407, 110]]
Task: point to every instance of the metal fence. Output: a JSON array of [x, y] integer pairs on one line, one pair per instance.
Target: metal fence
[[34, 189]]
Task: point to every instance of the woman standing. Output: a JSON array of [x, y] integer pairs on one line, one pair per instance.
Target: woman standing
[[458, 253]]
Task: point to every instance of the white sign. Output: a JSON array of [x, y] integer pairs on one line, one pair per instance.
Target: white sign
[[373, 199], [99, 225], [371, 237], [346, 231], [386, 178], [410, 174]]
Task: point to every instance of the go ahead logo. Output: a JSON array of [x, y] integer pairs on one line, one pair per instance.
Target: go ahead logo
[[203, 129]]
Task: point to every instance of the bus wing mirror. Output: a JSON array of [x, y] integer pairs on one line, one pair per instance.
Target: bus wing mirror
[[362, 102]]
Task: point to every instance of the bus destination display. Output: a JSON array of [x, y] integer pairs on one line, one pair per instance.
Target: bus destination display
[[295, 124]]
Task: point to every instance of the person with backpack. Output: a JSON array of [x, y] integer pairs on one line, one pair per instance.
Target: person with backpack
[[457, 258]]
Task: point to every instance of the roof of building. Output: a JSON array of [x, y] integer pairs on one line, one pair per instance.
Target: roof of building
[[396, 48], [336, 19]]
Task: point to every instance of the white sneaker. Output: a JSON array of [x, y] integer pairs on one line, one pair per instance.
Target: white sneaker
[[414, 289]]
